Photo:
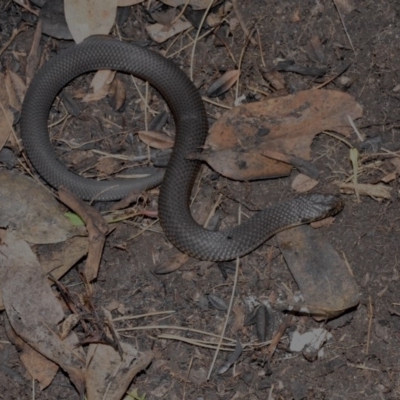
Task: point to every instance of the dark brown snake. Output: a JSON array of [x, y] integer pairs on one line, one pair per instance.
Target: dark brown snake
[[190, 119]]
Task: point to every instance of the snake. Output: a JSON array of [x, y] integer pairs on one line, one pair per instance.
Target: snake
[[188, 111]]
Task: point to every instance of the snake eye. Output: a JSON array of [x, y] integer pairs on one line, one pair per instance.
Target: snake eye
[[229, 237]]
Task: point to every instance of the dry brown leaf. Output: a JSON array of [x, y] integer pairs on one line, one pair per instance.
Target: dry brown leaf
[[100, 85], [303, 183], [325, 282], [223, 83], [97, 229], [6, 116], [108, 375], [117, 94], [365, 189], [58, 259], [39, 367], [172, 264], [314, 50], [15, 88], [396, 163], [160, 33], [36, 322], [344, 6], [107, 166], [285, 124], [89, 17], [26, 216], [322, 222], [296, 16], [156, 139], [128, 3], [389, 177], [34, 53]]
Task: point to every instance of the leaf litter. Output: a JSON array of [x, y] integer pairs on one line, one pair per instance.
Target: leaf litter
[[284, 150]]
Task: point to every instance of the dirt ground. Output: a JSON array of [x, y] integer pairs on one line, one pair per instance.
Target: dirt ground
[[361, 360]]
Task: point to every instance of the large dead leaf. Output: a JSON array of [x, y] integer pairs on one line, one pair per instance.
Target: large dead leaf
[[39, 367], [33, 310], [89, 17], [59, 258], [286, 124], [108, 375], [323, 277], [36, 218]]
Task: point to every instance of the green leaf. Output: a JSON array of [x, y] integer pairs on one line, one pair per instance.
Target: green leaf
[[74, 219]]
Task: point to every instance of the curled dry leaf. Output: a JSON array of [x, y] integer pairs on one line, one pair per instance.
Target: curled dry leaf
[[223, 83], [303, 183], [314, 50], [89, 17], [233, 357], [172, 265], [117, 94], [160, 33], [156, 139], [217, 302], [15, 88], [285, 124], [100, 84], [389, 177]]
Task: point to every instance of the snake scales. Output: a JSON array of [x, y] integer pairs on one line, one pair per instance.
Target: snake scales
[[190, 119]]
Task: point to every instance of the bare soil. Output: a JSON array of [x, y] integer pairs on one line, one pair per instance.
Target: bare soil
[[362, 358]]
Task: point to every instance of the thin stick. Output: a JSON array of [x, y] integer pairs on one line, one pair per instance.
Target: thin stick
[[339, 138], [370, 317], [344, 26], [353, 125]]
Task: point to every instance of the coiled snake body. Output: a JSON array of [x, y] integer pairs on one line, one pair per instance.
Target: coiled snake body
[[190, 119]]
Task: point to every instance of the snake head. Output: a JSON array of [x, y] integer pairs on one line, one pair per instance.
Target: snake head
[[317, 206]]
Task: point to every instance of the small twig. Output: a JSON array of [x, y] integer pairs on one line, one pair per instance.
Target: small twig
[[151, 314], [353, 125], [213, 209], [206, 99], [347, 143], [260, 47], [344, 26], [370, 318]]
